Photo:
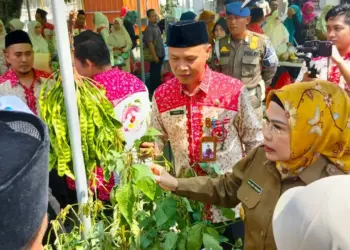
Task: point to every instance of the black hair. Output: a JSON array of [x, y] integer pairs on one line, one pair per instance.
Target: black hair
[[257, 14], [89, 45], [222, 22], [339, 10], [149, 12], [81, 12], [42, 13], [278, 101]]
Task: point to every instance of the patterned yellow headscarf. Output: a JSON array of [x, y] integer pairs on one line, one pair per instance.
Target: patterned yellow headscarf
[[209, 18], [319, 119]]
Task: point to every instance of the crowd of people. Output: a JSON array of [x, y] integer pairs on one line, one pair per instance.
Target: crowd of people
[[213, 107]]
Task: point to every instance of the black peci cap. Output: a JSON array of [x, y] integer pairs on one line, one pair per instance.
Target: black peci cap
[[185, 34], [16, 37], [24, 177]]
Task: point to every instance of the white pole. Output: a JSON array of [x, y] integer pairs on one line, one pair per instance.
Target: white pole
[[139, 24], [65, 59]]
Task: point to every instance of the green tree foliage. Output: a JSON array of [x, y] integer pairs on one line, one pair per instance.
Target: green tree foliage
[[167, 8], [10, 9]]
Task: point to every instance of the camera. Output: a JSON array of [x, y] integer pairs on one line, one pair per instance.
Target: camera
[[316, 48], [312, 49]]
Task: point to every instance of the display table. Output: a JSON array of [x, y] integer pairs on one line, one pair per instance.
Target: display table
[[291, 64]]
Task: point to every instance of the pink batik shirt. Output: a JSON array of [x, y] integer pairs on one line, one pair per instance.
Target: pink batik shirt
[[130, 99], [183, 120]]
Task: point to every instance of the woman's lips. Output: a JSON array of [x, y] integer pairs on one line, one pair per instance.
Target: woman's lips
[[268, 149]]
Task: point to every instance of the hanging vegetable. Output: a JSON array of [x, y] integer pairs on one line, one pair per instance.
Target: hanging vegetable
[[100, 130]]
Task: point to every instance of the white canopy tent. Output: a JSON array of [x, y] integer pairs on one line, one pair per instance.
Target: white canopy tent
[[63, 46]]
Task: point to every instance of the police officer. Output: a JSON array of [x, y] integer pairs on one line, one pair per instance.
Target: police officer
[[245, 55]]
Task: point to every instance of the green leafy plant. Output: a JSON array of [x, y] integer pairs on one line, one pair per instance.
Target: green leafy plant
[[100, 130], [140, 215]]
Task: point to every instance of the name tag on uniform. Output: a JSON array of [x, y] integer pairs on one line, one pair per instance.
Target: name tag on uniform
[[177, 112], [255, 186], [251, 53]]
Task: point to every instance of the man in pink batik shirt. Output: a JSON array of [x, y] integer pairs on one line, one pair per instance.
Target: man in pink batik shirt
[[126, 92], [201, 109]]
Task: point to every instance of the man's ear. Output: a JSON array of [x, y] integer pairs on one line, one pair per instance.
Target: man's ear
[[208, 48], [88, 64], [7, 55], [208, 51], [248, 20]]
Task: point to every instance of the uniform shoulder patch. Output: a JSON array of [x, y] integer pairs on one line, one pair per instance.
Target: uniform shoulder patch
[[254, 43], [224, 49], [261, 36]]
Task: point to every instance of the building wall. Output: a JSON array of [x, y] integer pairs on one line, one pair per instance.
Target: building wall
[[331, 2], [111, 8]]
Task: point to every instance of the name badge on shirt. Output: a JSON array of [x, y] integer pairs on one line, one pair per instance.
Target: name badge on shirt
[[251, 53], [177, 112], [208, 149]]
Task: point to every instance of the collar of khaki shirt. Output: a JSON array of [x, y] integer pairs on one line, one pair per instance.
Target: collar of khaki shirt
[[204, 85], [311, 173]]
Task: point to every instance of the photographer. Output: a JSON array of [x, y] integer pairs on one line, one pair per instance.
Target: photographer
[[338, 31]]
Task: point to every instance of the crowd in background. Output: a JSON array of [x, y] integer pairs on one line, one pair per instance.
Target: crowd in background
[[215, 91], [286, 27]]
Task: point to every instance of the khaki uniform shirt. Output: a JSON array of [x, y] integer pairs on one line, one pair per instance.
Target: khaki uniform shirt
[[250, 60], [256, 183]]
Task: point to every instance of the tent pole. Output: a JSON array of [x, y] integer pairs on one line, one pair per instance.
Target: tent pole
[[63, 45], [28, 9], [141, 42]]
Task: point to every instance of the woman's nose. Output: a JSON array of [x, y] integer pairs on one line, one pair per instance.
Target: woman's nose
[[267, 134]]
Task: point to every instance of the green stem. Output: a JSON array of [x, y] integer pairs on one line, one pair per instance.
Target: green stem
[[225, 225], [57, 238], [76, 215]]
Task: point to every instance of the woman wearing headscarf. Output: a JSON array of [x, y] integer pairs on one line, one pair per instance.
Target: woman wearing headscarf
[[209, 18], [321, 26], [306, 138], [322, 208], [3, 65], [119, 43], [293, 24], [310, 20], [39, 43], [16, 24], [220, 29], [277, 32], [101, 25], [129, 22]]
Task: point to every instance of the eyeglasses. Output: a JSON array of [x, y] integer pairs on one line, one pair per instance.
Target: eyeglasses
[[273, 128]]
